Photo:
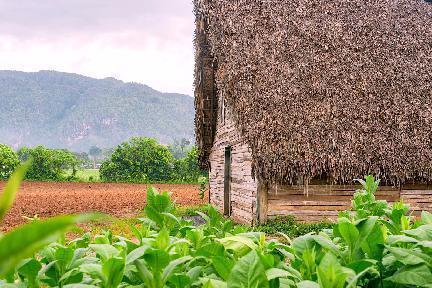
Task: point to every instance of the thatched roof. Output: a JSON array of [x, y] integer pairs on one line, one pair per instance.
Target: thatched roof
[[333, 89]]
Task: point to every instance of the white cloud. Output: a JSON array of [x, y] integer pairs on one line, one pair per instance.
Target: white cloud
[[145, 41]]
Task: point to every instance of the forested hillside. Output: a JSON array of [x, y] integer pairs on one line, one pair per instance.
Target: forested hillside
[[63, 110]]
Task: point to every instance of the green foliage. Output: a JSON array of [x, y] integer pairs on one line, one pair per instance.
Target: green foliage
[[364, 203], [8, 161], [144, 160], [215, 254], [292, 228], [379, 249], [139, 160], [83, 159], [88, 175], [95, 151], [69, 110], [203, 182], [159, 209], [24, 241], [189, 211], [49, 164], [9, 193], [180, 148], [186, 170]]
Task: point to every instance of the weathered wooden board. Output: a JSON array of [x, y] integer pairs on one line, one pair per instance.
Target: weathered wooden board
[[326, 201]]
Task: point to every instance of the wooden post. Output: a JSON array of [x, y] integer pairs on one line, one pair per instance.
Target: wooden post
[[227, 182], [262, 205]]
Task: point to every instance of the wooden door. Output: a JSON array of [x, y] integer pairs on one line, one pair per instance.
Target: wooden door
[[227, 182]]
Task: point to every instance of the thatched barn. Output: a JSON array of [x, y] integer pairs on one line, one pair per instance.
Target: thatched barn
[[296, 98]]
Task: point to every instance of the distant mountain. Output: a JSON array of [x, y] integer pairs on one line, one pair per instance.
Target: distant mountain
[[63, 110]]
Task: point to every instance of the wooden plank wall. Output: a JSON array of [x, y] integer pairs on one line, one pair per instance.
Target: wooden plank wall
[[242, 185], [324, 202], [418, 196]]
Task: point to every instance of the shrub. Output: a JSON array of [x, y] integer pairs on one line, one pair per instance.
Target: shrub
[[180, 148], [49, 164], [187, 169], [139, 160], [202, 181], [8, 161], [143, 160], [292, 228]]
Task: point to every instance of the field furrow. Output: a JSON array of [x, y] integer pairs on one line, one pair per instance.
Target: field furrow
[[121, 200]]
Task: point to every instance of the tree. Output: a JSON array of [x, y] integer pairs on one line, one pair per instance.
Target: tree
[[184, 143], [179, 149], [187, 169], [48, 164], [107, 152], [139, 160], [83, 158], [8, 161], [95, 152]]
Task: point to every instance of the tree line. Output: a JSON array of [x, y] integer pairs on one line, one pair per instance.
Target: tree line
[[139, 160]]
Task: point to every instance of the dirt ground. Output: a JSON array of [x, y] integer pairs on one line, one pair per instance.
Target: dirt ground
[[121, 200]]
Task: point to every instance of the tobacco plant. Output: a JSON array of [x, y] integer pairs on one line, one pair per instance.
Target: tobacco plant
[[372, 245]]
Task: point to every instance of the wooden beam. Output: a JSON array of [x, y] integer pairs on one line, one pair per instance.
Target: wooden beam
[[262, 195], [227, 181]]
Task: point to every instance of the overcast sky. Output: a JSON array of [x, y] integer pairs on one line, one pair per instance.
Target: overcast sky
[[146, 41]]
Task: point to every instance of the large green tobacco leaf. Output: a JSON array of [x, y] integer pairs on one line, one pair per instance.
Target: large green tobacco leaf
[[113, 270], [72, 276], [64, 256], [8, 196], [274, 273], [105, 251], [30, 268], [144, 273], [240, 245], [93, 269], [213, 283], [248, 272], [365, 227], [311, 242], [79, 286], [157, 205], [331, 274], [169, 270], [374, 244], [426, 217], [222, 266], [211, 249], [393, 240], [349, 234], [29, 238], [418, 276], [308, 284], [356, 235], [423, 232], [180, 280], [409, 256], [361, 265], [136, 254], [157, 259]]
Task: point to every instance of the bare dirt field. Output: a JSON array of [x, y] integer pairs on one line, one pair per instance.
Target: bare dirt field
[[121, 200]]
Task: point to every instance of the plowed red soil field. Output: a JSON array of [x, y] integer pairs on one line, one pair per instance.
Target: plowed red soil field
[[121, 200]]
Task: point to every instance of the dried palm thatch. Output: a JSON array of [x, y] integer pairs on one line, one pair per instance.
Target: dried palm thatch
[[333, 89]]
